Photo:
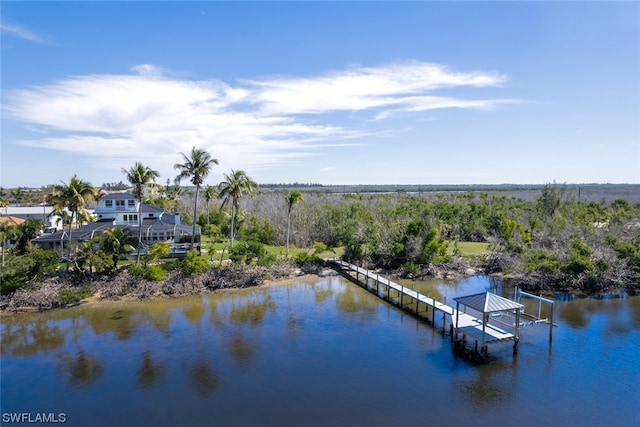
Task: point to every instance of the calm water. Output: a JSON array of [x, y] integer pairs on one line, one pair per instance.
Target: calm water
[[316, 353]]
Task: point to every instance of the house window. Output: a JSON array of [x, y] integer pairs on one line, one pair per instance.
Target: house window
[[131, 203], [130, 218], [108, 203], [119, 203]]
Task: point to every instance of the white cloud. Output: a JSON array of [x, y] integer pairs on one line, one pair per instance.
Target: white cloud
[[21, 32], [264, 123], [363, 88], [146, 70], [427, 103]]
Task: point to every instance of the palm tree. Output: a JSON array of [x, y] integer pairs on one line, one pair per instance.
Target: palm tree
[[291, 198], [116, 242], [197, 166], [171, 195], [233, 188], [73, 196], [17, 195], [140, 176], [209, 194]]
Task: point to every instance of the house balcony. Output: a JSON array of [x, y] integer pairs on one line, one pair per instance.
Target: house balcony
[[115, 209]]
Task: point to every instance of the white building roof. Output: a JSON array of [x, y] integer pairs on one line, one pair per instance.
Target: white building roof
[[27, 210], [487, 302]]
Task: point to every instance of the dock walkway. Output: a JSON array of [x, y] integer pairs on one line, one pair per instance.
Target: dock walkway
[[466, 324]]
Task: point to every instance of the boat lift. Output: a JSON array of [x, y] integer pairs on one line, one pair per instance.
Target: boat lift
[[534, 318]]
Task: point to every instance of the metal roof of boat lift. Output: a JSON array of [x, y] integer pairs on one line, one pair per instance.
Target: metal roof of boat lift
[[487, 302]]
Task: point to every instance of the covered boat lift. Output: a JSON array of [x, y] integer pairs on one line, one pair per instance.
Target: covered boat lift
[[488, 305]]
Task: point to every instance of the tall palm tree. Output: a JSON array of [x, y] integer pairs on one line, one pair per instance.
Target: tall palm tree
[[74, 196], [197, 166], [232, 189], [291, 198], [210, 193], [140, 176]]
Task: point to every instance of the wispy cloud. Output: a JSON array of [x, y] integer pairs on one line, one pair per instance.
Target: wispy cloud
[[257, 123], [21, 32], [362, 88]]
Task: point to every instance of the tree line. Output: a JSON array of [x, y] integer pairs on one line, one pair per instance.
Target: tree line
[[553, 240]]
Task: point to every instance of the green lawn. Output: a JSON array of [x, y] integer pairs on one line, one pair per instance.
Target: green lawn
[[470, 248], [466, 249], [277, 251]]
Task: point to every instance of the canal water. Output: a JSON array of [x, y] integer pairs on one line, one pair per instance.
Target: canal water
[[319, 352]]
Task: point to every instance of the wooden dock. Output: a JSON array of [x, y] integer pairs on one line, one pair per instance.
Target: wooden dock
[[461, 322]]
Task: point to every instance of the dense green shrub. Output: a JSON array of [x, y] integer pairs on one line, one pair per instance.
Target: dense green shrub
[[303, 258], [98, 261], [157, 251], [435, 248], [541, 260], [411, 268], [28, 230], [136, 270], [21, 269], [193, 264], [154, 273], [579, 258], [250, 252], [213, 231], [68, 296], [258, 231], [627, 251], [577, 265]]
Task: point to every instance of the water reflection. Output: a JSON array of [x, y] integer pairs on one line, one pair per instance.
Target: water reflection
[[202, 377], [121, 322], [317, 344], [159, 315], [354, 300], [294, 324], [252, 311], [80, 370], [195, 311], [215, 317], [150, 373], [24, 339], [243, 350], [322, 294], [490, 384]]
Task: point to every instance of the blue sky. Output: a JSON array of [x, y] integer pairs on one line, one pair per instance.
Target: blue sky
[[323, 92]]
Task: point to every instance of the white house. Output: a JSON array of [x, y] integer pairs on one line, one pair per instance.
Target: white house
[[44, 213], [121, 210]]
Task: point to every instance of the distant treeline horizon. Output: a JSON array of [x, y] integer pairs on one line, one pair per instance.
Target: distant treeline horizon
[[585, 192]]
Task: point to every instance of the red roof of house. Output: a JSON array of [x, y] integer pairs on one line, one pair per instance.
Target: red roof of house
[[11, 220]]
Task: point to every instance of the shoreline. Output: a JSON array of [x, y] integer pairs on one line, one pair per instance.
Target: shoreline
[[96, 298], [123, 287]]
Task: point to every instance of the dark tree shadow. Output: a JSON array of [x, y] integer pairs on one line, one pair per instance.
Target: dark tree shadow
[[81, 370], [150, 373]]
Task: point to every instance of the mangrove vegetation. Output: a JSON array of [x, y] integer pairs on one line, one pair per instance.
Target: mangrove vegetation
[[552, 241]]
